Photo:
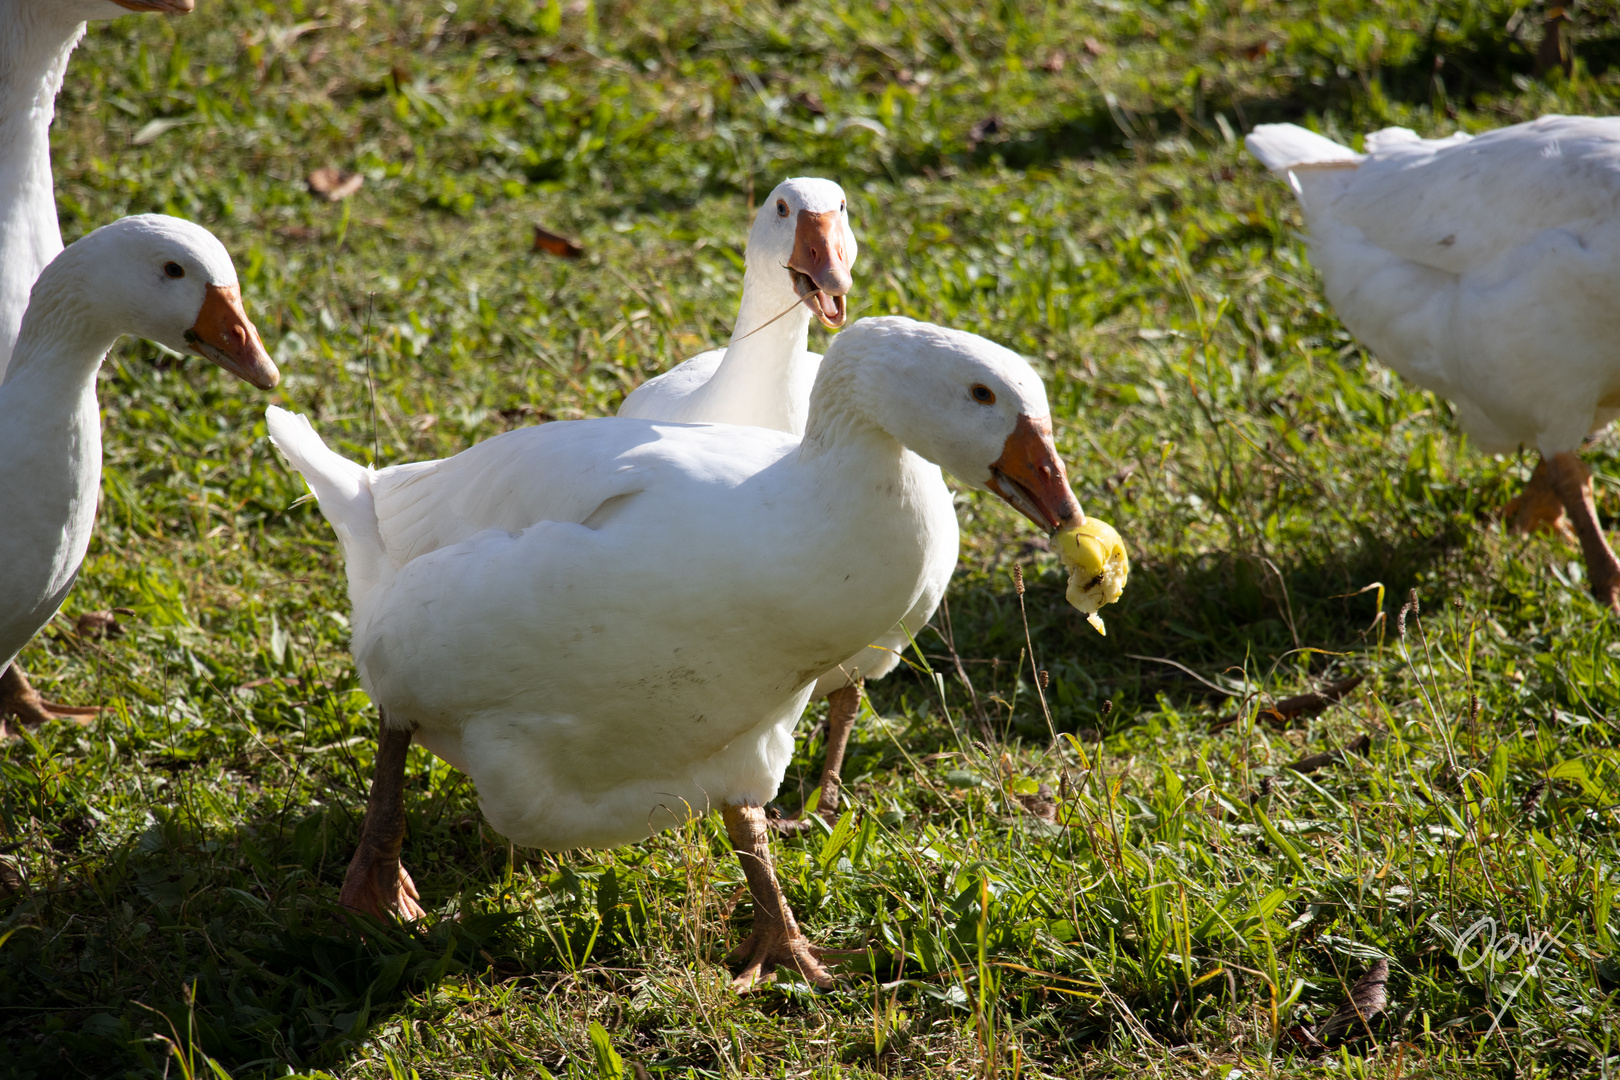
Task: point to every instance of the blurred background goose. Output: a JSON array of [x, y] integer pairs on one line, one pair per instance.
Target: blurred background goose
[[154, 276], [614, 625], [1486, 269], [800, 261]]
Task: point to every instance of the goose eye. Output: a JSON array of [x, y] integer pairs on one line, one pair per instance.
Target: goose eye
[[781, 208], [174, 270], [842, 206], [983, 394]]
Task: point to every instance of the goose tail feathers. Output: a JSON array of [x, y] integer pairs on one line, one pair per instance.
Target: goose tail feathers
[[1282, 147], [343, 490]]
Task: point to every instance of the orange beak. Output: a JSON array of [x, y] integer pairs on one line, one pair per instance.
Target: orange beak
[[1029, 475], [166, 7], [223, 334], [821, 265]]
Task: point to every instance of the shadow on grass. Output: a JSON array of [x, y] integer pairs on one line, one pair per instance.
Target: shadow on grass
[[1443, 75], [1220, 614], [176, 936]]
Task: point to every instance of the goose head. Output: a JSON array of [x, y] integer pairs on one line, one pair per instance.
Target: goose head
[[970, 406], [801, 240], [978, 411], [166, 280]]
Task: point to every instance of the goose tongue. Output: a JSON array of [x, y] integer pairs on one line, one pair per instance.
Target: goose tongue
[[829, 309]]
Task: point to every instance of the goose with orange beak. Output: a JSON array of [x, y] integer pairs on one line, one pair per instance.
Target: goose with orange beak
[[153, 276], [612, 626], [799, 265]]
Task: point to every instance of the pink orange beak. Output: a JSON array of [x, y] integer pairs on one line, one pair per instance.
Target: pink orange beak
[[821, 266], [1029, 475], [223, 334]]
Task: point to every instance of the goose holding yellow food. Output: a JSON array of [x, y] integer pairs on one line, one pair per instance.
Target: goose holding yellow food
[[613, 625]]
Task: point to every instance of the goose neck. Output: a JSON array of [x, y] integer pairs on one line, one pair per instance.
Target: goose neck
[[35, 42], [839, 417], [769, 315], [764, 377], [62, 341]]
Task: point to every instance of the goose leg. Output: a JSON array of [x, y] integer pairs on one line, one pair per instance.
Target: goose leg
[[1573, 482], [842, 706], [1538, 507], [776, 940], [19, 699], [377, 884]]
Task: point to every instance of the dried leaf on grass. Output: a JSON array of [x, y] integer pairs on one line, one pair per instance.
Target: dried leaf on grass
[[334, 185], [153, 130], [1353, 1018], [1358, 745], [1043, 803], [1533, 796], [11, 879], [1289, 709], [95, 625], [552, 244]]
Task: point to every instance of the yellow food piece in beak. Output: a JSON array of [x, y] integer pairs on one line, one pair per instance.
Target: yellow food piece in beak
[[1098, 566]]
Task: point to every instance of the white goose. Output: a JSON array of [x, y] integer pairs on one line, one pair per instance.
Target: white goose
[[613, 625], [154, 276], [36, 38], [1484, 269], [799, 260]]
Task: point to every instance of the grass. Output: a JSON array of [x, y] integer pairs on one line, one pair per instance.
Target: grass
[[1067, 179]]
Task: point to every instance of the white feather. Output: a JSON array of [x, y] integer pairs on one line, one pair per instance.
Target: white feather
[[1482, 268], [613, 624]]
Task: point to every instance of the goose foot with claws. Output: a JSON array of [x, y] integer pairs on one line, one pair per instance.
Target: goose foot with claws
[[376, 883], [776, 940], [19, 699]]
